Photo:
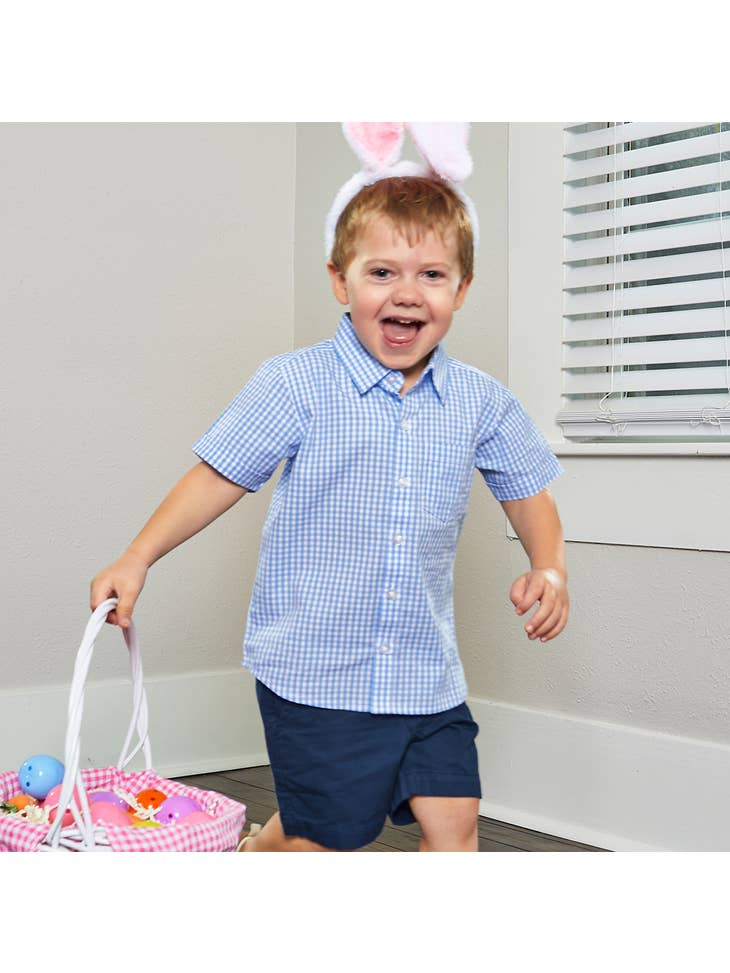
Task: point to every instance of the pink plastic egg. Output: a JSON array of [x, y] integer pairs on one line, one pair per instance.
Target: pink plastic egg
[[102, 812], [110, 797], [51, 803], [196, 817], [175, 808]]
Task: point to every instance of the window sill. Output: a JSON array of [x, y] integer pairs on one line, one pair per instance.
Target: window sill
[[640, 449]]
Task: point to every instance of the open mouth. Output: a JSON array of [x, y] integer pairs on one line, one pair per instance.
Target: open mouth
[[400, 332]]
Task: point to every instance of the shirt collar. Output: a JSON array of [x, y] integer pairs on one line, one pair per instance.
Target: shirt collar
[[366, 371]]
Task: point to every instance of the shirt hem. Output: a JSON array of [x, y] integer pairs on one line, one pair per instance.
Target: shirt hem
[[298, 698]]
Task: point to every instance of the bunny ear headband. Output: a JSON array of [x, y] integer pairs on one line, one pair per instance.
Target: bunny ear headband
[[378, 145]]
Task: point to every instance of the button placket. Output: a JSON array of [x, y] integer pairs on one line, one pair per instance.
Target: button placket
[[402, 499]]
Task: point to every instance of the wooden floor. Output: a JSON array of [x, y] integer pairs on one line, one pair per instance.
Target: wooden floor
[[254, 787]]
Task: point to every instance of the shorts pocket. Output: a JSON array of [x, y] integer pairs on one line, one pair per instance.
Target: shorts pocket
[[446, 476]]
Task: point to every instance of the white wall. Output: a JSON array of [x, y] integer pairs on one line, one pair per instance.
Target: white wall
[[146, 272]]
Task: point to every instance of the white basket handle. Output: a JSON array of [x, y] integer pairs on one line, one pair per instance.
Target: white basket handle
[[72, 775]]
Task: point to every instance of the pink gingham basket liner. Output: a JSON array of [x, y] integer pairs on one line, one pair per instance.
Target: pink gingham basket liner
[[221, 834]]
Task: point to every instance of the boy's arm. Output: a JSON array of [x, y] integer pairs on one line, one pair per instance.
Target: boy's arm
[[195, 501], [536, 523]]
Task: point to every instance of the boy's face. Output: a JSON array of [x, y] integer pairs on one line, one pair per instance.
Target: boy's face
[[401, 298]]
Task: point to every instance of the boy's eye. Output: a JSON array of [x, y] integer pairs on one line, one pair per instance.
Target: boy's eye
[[380, 273], [434, 274]]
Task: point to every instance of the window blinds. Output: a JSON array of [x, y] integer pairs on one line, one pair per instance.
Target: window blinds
[[646, 346]]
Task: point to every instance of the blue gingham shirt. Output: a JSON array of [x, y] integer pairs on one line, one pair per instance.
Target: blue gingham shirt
[[352, 605]]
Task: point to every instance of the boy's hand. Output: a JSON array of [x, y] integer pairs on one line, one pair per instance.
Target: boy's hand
[[124, 579], [547, 586]]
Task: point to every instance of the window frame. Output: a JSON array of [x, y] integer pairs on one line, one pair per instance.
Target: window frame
[[589, 494]]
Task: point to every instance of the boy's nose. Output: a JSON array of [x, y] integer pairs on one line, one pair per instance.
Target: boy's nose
[[406, 293]]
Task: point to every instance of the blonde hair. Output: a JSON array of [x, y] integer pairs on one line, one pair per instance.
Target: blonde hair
[[415, 205]]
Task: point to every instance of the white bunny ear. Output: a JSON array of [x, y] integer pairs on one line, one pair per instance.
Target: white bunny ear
[[443, 146], [378, 147], [376, 144]]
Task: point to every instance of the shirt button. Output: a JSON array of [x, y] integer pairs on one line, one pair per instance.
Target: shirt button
[[391, 594], [385, 650], [398, 539], [406, 424], [403, 481]]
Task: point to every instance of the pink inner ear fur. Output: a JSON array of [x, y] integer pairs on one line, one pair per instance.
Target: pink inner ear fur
[[379, 141]]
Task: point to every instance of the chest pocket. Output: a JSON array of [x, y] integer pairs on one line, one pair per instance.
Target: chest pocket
[[446, 476]]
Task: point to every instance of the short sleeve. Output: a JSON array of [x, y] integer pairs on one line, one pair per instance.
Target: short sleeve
[[512, 454], [256, 431]]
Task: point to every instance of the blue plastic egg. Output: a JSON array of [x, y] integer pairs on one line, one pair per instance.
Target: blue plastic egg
[[39, 775]]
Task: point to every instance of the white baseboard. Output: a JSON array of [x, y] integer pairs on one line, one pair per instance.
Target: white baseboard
[[200, 722], [602, 784]]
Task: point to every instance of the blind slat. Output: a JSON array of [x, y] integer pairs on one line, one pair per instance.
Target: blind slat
[[667, 181], [622, 354], [695, 321], [627, 132], [658, 295], [647, 268], [643, 241], [600, 138], [679, 208], [682, 150], [688, 405], [650, 380]]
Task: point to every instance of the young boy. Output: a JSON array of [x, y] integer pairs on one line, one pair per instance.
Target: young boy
[[351, 630]]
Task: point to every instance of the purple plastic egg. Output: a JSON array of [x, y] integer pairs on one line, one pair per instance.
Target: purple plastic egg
[[174, 808], [110, 797]]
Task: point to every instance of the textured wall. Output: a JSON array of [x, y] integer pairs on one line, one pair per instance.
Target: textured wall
[[146, 272]]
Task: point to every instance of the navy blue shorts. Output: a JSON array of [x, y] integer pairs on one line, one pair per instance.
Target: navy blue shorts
[[338, 774]]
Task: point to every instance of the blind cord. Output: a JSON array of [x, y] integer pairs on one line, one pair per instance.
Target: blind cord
[[607, 413]]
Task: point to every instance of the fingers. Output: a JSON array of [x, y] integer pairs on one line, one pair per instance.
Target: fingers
[[121, 615], [518, 595], [122, 581], [102, 589], [548, 590], [124, 611], [525, 592], [549, 605], [551, 626], [562, 622]]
